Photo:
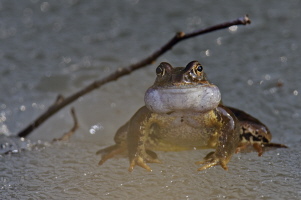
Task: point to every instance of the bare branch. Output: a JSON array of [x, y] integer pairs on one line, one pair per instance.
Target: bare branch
[[67, 135], [127, 70]]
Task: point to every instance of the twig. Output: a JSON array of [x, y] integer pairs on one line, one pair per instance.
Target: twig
[[127, 70], [67, 135]]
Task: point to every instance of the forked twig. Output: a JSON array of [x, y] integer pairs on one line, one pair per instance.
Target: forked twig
[[127, 70], [68, 134]]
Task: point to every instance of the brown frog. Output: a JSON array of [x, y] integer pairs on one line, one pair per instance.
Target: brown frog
[[183, 111]]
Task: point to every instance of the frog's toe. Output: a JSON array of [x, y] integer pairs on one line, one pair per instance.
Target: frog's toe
[[275, 145], [211, 160], [110, 152], [138, 160], [258, 148], [241, 147], [247, 147], [207, 165]]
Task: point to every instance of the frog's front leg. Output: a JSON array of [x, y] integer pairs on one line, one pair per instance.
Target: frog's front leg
[[138, 133], [227, 141]]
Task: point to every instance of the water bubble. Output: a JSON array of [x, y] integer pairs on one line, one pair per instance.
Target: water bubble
[[4, 129], [66, 60], [34, 105], [295, 92], [233, 29], [219, 41], [15, 151], [283, 59], [95, 128], [273, 90], [45, 6], [267, 77], [250, 82], [207, 52], [2, 117]]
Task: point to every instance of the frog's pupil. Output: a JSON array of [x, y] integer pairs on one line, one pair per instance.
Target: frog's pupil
[[200, 68]]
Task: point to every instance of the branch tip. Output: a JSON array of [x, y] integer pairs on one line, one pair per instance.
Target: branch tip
[[59, 99], [180, 34], [245, 20]]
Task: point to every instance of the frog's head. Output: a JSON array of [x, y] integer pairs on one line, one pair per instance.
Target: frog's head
[[181, 89]]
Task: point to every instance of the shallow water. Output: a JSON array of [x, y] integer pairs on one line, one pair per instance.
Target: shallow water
[[58, 47]]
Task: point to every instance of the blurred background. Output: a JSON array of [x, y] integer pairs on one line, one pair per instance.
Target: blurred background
[[58, 47]]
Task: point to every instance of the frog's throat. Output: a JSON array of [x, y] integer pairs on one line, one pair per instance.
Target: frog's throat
[[194, 99]]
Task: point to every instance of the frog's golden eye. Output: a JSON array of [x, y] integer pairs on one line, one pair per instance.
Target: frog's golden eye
[[160, 71], [199, 68]]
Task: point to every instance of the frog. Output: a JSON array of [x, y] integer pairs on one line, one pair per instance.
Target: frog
[[183, 111]]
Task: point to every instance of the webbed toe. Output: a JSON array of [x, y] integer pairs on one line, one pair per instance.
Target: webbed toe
[[110, 152], [138, 160], [212, 160]]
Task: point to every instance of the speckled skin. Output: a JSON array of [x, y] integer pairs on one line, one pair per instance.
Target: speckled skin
[[254, 134], [187, 125]]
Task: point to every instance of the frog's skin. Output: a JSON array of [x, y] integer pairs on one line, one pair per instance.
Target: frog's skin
[[183, 111]]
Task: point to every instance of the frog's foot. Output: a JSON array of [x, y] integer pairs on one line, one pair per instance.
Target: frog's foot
[[259, 147], [110, 152], [211, 160], [141, 160], [269, 146], [138, 160]]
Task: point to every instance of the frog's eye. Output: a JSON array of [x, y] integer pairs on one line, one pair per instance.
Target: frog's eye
[[160, 71], [199, 68]]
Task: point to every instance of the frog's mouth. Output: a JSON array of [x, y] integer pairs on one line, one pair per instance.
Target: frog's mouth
[[199, 98]]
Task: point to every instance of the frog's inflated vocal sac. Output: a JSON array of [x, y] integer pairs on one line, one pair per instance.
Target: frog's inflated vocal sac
[[183, 111]]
